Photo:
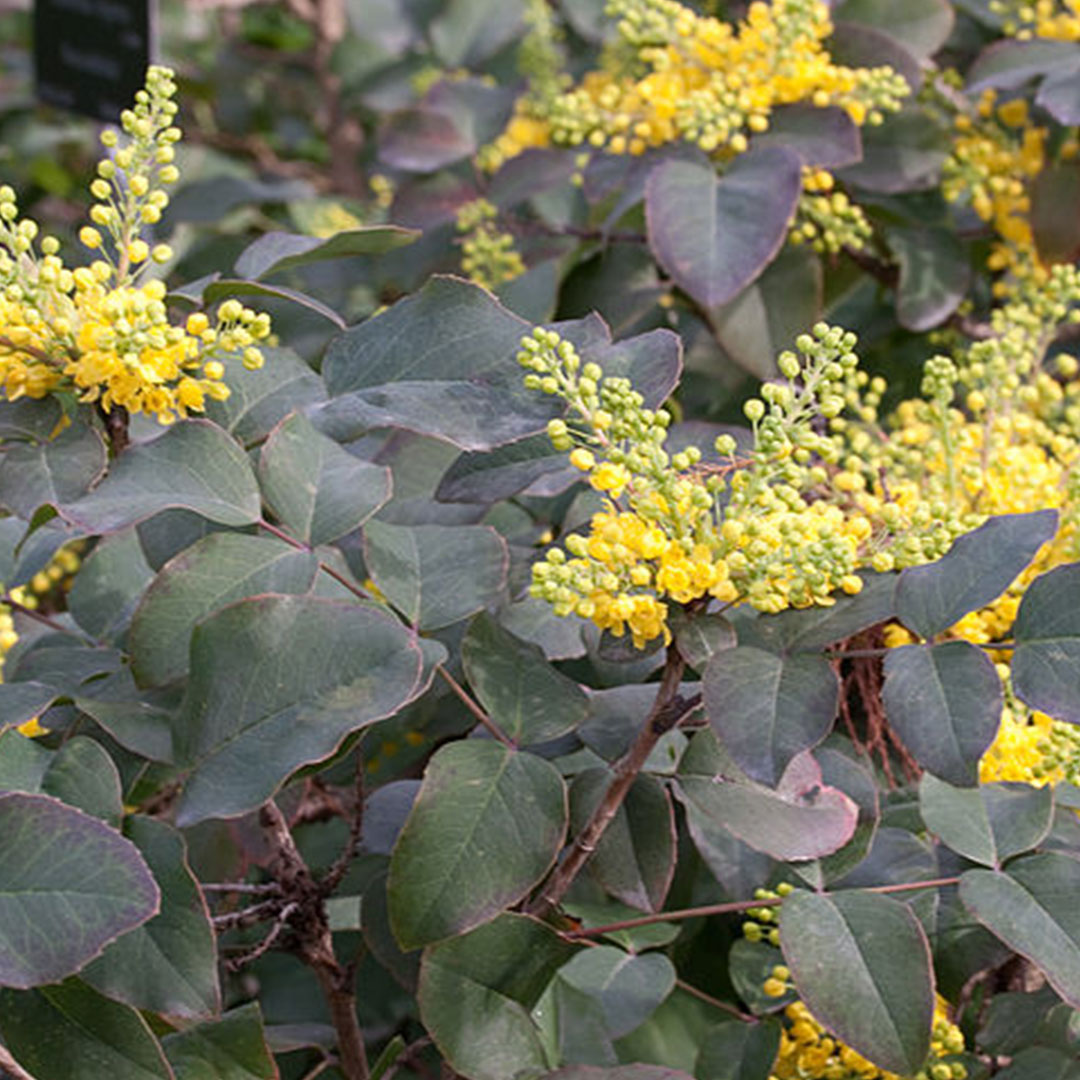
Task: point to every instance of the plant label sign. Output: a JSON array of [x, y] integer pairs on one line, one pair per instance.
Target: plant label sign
[[90, 56]]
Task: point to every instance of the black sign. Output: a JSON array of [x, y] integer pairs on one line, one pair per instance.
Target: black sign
[[91, 56]]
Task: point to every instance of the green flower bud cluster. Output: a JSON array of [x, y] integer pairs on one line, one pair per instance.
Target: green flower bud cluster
[[488, 255], [829, 222]]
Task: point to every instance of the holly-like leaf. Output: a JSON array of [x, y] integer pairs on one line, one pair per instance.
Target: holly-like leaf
[[231, 1048], [1032, 907], [218, 570], [485, 828], [193, 465], [318, 491], [1046, 663], [945, 703], [861, 963], [169, 964], [477, 990], [714, 236], [978, 568], [71, 886], [767, 708], [70, 1032], [277, 682], [436, 575], [987, 824], [528, 699]]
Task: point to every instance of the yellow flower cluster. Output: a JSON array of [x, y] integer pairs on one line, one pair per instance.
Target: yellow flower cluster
[[827, 219], [1027, 19], [995, 155], [103, 330], [789, 532], [487, 255]]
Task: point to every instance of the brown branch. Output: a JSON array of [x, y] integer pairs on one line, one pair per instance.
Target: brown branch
[[332, 878], [716, 1003], [240, 887], [470, 704], [668, 710], [116, 422], [12, 1067], [237, 963], [733, 907]]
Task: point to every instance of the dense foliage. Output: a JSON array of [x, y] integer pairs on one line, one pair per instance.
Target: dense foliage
[[544, 539]]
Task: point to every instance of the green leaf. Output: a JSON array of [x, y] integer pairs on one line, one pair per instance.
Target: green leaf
[[619, 1072], [700, 637], [826, 138], [978, 568], [767, 708], [218, 570], [578, 1033], [488, 476], [71, 885], [905, 153], [436, 575], [260, 399], [485, 829], [715, 236], [70, 1032], [109, 584], [944, 702], [767, 316], [169, 964], [1046, 663], [194, 465], [82, 774], [801, 819], [1008, 64], [23, 762], [628, 988], [468, 31], [318, 491], [987, 824], [739, 1051], [671, 1037], [1055, 205], [1059, 94], [861, 963], [276, 252], [476, 992], [923, 26], [527, 698], [228, 288], [232, 1048], [1040, 1063], [22, 701], [1032, 907], [53, 472], [935, 274], [635, 858], [277, 682]]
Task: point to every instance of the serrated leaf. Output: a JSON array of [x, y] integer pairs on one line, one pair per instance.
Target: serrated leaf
[[71, 1032], [193, 465], [476, 992], [71, 886], [276, 252], [987, 824], [802, 819], [169, 964], [277, 682], [635, 858], [861, 963], [714, 236], [944, 702], [1032, 907], [977, 569], [218, 570], [485, 828], [527, 698], [231, 1048], [766, 708], [628, 988], [318, 491], [436, 575], [52, 472]]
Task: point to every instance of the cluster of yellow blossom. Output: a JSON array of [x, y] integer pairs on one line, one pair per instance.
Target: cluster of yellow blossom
[[1027, 19], [674, 75], [103, 330], [996, 154], [827, 219], [487, 255], [783, 527]]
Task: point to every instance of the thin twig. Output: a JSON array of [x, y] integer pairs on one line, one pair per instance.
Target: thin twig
[[249, 916], [474, 708], [668, 711], [332, 878], [733, 907], [241, 887], [37, 616], [12, 1067], [237, 963], [716, 1003]]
